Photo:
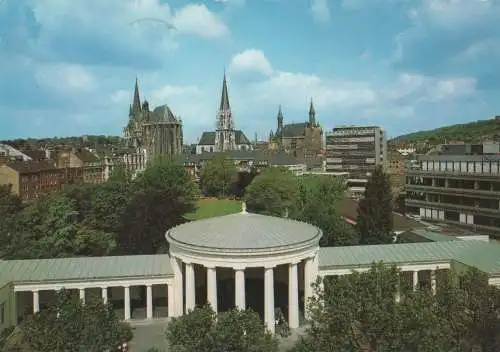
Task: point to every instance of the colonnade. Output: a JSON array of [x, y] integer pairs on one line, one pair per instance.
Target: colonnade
[[126, 299], [187, 283]]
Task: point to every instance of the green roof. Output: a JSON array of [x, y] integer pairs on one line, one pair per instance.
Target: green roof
[[483, 255], [84, 268]]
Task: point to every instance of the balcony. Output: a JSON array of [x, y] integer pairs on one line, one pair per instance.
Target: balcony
[[457, 207], [469, 192], [454, 174]]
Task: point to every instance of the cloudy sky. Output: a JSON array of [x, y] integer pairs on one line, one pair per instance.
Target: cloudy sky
[[67, 67]]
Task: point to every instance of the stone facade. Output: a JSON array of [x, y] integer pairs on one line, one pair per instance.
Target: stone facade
[[157, 133]]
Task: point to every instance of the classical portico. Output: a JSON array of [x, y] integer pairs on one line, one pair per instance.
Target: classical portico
[[244, 247]]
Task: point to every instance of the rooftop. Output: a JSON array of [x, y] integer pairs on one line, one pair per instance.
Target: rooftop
[[83, 268], [244, 232]]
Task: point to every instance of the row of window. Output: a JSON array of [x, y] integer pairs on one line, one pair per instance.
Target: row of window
[[486, 167]]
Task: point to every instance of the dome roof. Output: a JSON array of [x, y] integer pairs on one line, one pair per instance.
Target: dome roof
[[244, 231]]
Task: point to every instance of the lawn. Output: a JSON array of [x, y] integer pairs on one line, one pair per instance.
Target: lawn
[[208, 208]]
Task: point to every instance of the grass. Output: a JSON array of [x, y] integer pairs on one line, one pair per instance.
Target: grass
[[211, 207]]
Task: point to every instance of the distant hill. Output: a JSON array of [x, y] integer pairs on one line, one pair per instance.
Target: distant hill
[[477, 131]]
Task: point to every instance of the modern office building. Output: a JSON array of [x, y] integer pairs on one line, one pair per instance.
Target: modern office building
[[460, 186], [356, 150]]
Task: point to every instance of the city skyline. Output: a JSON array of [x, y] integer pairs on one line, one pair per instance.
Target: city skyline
[[405, 65]]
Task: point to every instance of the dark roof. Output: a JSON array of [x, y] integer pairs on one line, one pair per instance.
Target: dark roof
[[224, 100], [294, 129], [348, 208], [255, 155], [162, 114], [86, 156], [27, 167], [208, 138], [34, 154]]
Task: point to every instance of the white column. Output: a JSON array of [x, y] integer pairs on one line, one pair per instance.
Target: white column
[[239, 288], [433, 281], [170, 300], [269, 298], [82, 295], [178, 286], [149, 302], [126, 302], [36, 301], [190, 287], [104, 294], [293, 296], [415, 280], [308, 281], [212, 288]]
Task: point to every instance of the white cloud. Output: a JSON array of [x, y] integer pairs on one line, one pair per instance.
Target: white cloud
[[198, 20], [398, 98], [251, 60], [65, 77], [320, 11]]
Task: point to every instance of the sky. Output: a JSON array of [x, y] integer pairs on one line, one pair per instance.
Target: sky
[[68, 67]]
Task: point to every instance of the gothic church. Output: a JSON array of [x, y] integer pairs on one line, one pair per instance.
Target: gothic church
[[225, 138]]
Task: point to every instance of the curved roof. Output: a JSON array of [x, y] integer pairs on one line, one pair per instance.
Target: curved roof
[[244, 231]]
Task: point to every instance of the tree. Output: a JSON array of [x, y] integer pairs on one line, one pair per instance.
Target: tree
[[375, 219], [317, 201], [272, 192], [243, 180], [359, 312], [234, 330], [49, 228], [218, 177], [10, 205], [161, 196], [68, 325]]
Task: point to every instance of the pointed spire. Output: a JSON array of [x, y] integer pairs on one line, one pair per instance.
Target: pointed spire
[[311, 108], [224, 100], [136, 105], [312, 115]]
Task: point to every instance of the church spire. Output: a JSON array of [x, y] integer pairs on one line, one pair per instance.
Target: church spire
[[312, 115], [136, 105], [224, 99]]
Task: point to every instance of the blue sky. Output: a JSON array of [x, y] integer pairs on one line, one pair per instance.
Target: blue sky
[[67, 67]]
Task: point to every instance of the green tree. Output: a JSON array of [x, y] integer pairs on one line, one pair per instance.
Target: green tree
[[10, 205], [359, 312], [161, 196], [272, 192], [49, 227], [68, 325], [375, 219], [234, 330], [218, 177], [317, 202]]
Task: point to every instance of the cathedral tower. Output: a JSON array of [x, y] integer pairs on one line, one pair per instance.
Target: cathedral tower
[[225, 135]]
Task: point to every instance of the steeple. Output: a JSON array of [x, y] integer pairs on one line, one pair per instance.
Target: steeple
[[312, 115], [136, 105], [224, 99]]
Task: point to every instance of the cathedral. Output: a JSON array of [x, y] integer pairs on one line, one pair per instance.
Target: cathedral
[[304, 140], [156, 133], [225, 137]]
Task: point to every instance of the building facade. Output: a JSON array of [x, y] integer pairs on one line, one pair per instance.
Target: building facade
[[225, 138], [156, 133], [31, 179], [303, 140], [356, 150], [459, 190]]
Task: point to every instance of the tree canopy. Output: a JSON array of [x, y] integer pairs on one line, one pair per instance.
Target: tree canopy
[[359, 312], [272, 192], [120, 216], [235, 330], [375, 219], [69, 325], [218, 177]]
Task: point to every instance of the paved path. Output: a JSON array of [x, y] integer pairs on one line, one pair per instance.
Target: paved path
[[149, 334]]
